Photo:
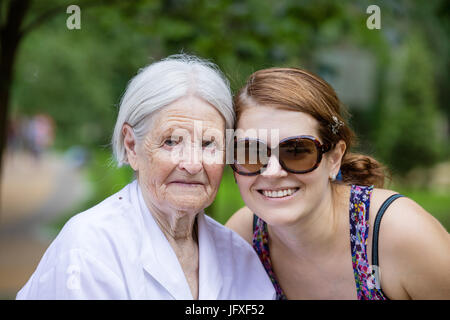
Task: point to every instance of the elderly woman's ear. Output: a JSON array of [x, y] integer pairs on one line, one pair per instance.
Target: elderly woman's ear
[[129, 141]]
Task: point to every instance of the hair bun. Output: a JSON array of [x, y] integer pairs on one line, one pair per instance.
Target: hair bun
[[362, 170]]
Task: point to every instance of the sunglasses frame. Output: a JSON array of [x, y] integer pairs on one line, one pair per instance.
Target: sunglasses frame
[[321, 149]]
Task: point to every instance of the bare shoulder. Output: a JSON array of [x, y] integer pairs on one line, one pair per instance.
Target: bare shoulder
[[405, 216], [242, 223], [414, 248]]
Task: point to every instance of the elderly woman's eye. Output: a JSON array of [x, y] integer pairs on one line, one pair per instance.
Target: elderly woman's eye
[[172, 141], [208, 144]]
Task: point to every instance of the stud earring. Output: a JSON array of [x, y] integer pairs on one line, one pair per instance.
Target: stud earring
[[333, 177]]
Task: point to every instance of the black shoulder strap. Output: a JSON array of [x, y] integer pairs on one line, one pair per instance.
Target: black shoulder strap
[[376, 226], [255, 220]]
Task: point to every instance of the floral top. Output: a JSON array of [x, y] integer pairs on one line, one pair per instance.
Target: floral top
[[367, 287]]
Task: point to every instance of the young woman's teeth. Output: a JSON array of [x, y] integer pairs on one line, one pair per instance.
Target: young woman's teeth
[[279, 193]]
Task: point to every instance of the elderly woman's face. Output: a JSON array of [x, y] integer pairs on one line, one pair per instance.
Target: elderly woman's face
[[181, 159]]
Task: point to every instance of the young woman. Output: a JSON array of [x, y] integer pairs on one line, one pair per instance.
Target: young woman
[[318, 236]]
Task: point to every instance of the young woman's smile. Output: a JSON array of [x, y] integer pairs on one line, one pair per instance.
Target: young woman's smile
[[279, 194]]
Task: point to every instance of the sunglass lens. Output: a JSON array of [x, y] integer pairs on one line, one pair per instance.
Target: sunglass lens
[[249, 156], [298, 154]]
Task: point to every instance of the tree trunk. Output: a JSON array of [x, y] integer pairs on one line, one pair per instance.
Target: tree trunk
[[10, 37]]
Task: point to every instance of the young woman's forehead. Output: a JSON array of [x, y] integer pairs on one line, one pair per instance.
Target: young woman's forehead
[[285, 123]]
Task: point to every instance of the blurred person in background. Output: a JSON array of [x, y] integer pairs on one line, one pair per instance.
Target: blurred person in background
[[40, 134]]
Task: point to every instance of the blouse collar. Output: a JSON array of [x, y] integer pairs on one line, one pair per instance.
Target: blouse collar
[[161, 262]]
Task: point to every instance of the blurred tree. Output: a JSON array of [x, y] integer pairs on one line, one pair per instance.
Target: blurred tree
[[18, 18], [408, 136], [11, 34], [433, 18]]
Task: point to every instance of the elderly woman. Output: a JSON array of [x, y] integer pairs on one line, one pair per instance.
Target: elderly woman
[[152, 240]]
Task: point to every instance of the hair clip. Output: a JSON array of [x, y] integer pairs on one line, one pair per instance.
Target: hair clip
[[336, 125]]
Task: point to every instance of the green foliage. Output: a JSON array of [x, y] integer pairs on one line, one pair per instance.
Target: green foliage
[[407, 136], [78, 76]]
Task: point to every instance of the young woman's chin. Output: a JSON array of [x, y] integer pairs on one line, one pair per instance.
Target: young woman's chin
[[276, 212], [280, 217]]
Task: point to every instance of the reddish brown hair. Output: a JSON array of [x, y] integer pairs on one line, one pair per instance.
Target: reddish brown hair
[[299, 90]]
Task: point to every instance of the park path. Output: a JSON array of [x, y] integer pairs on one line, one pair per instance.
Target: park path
[[33, 193]]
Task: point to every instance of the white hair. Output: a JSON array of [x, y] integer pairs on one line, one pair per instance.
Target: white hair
[[163, 82]]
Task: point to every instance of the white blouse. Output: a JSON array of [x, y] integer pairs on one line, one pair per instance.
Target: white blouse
[[115, 250]]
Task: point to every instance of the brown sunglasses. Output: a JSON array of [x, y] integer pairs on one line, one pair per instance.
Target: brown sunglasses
[[299, 154]]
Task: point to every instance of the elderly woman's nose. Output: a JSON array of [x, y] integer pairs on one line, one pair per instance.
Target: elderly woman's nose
[[274, 169], [192, 167], [191, 161]]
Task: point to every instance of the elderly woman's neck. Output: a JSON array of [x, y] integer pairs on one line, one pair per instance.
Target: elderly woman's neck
[[178, 226]]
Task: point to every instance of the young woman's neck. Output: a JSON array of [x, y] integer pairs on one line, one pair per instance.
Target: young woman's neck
[[318, 231]]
